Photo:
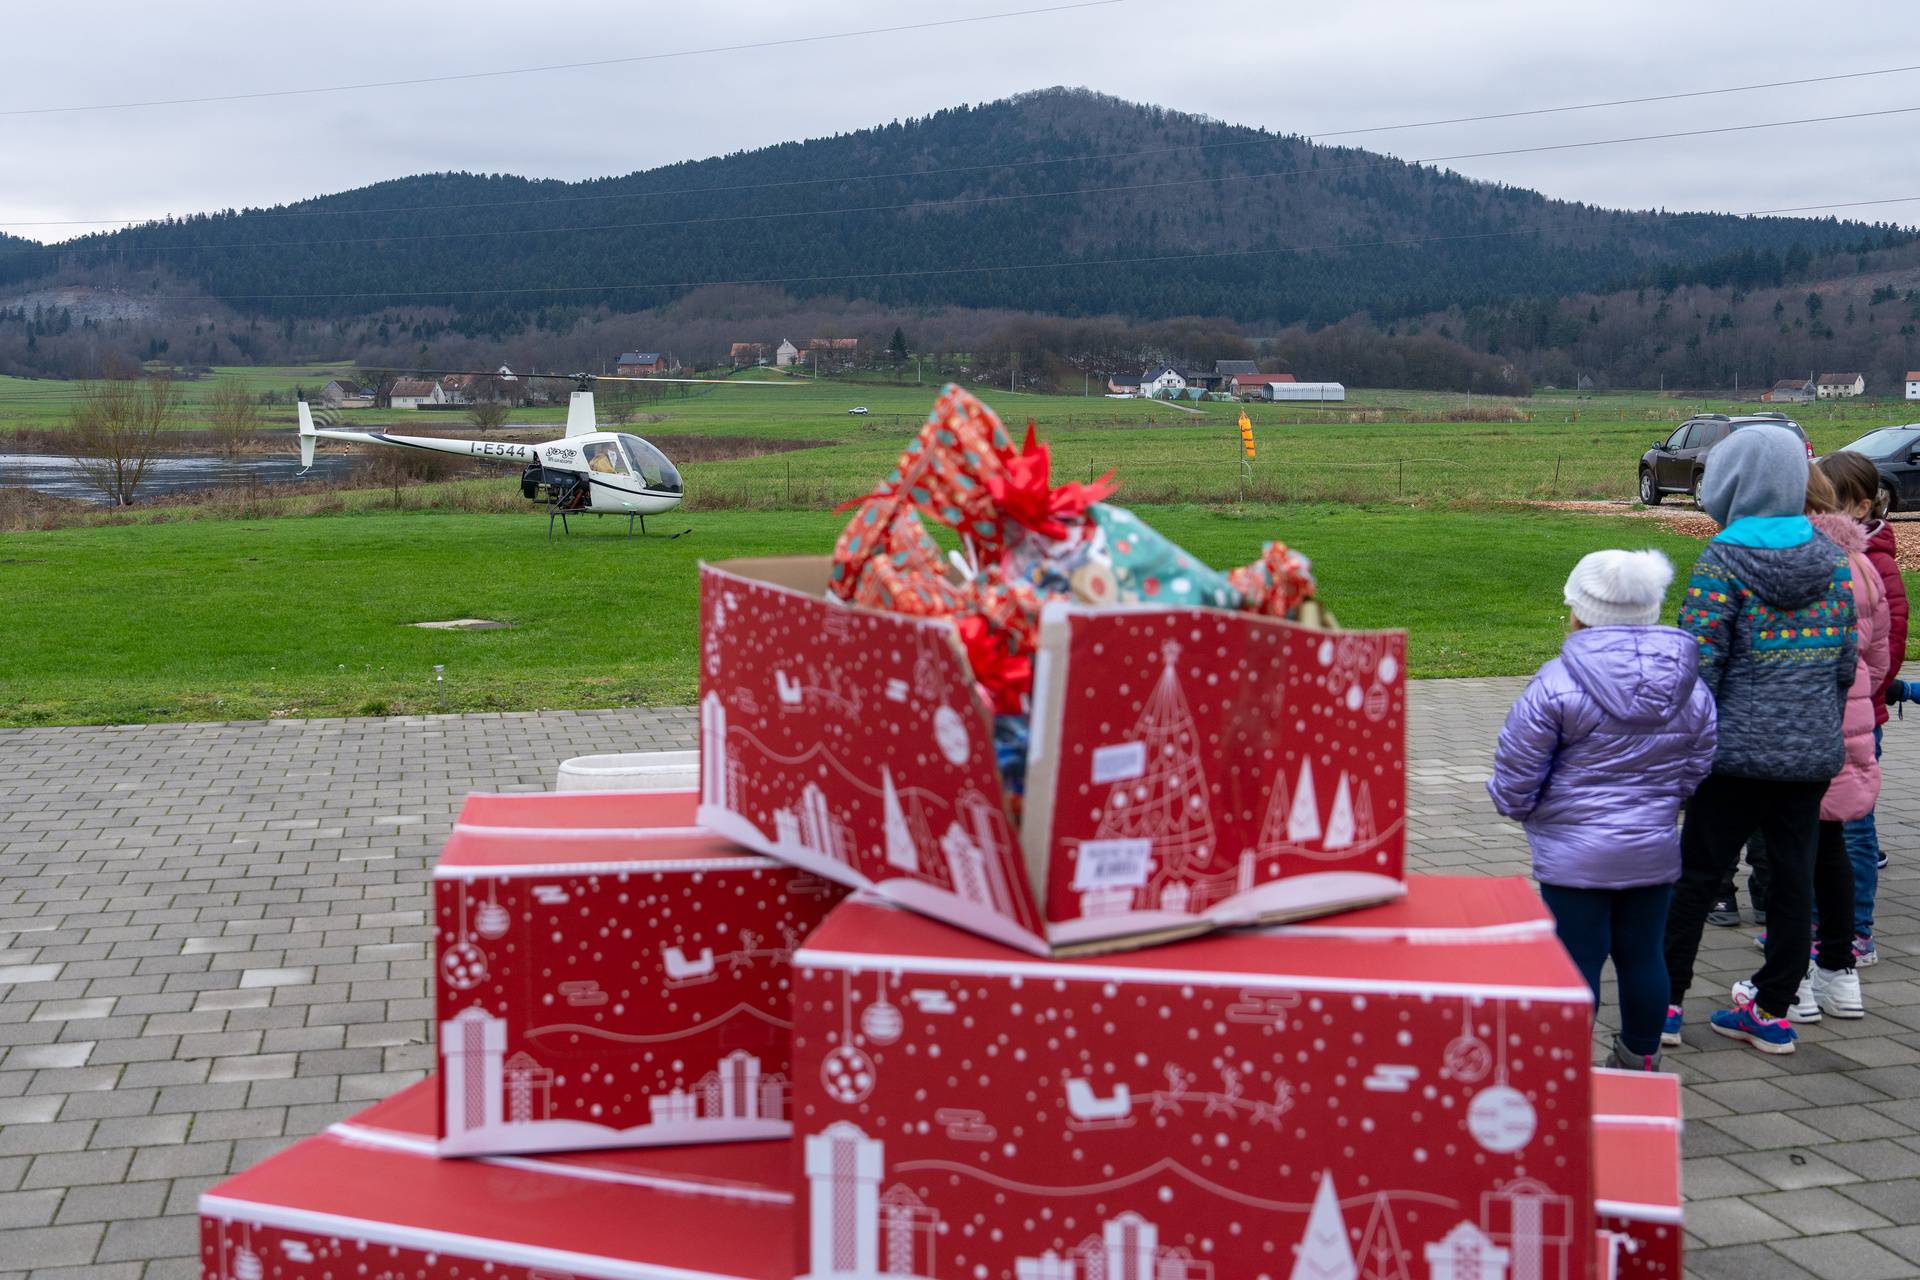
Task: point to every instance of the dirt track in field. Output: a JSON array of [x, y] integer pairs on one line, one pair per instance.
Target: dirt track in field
[[1688, 520]]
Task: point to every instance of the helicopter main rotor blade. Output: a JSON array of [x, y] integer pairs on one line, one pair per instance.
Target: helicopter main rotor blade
[[497, 376]]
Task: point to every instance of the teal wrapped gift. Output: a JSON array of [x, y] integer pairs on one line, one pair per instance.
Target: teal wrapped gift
[[1148, 568]]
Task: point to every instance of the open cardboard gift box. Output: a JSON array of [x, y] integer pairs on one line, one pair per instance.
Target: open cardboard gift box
[[368, 1200], [1636, 1171], [609, 974], [1188, 768]]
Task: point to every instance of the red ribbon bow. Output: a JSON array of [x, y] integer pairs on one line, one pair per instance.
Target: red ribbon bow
[[1004, 678], [1023, 492]]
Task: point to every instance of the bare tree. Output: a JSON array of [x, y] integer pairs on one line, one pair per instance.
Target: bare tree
[[117, 427], [235, 415], [489, 414]]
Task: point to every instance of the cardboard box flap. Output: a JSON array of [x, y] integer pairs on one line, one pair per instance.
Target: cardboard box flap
[[1636, 1172], [407, 1123], [1628, 1097], [1465, 909], [500, 851], [867, 934], [575, 810], [497, 1211]]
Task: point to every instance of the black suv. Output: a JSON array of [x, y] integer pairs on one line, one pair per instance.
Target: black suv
[[1675, 465]]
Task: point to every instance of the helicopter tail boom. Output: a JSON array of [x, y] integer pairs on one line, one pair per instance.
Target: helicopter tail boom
[[307, 437]]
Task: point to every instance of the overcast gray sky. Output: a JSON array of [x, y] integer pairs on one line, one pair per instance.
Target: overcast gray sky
[[1287, 66]]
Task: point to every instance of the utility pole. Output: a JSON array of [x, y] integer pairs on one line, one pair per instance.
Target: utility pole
[[1086, 381], [1013, 364], [916, 368]]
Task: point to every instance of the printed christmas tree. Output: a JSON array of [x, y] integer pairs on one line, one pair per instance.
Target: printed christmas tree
[[1167, 803], [1325, 1252]]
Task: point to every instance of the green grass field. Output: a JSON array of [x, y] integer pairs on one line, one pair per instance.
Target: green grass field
[[243, 619], [1381, 446]]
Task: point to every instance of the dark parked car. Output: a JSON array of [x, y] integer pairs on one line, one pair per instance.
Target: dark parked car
[[1896, 451], [1675, 465]]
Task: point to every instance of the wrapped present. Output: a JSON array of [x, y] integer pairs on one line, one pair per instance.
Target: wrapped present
[[1400, 1091], [886, 559], [608, 974], [1277, 584], [1149, 568], [368, 1199]]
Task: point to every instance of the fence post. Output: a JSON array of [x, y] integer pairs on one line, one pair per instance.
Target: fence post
[[1556, 473], [1402, 464]]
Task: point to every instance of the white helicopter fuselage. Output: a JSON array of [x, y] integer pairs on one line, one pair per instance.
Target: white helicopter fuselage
[[588, 470]]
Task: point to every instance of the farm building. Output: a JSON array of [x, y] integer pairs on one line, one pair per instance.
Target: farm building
[[1304, 391], [1790, 391], [1253, 385], [1839, 386], [1913, 384], [786, 353], [411, 393], [641, 364], [343, 393], [747, 353], [1123, 384], [1234, 368]]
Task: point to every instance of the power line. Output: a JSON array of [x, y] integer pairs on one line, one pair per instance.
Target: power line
[[557, 66], [957, 201], [1139, 260], [1010, 164]]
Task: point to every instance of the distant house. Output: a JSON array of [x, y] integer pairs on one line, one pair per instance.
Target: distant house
[[842, 353], [641, 364], [342, 393], [411, 393], [1123, 384], [1790, 391], [1234, 368], [1163, 381], [785, 354], [747, 353], [1839, 386], [1913, 385], [1254, 385]]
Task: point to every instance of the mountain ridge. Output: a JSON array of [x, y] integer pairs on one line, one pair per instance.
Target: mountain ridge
[[950, 209]]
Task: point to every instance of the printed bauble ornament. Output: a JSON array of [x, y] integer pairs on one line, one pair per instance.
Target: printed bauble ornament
[[848, 1075], [1501, 1119], [492, 920], [881, 1022], [464, 966]]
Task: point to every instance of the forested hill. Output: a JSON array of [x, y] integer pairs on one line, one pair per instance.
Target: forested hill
[[932, 196]]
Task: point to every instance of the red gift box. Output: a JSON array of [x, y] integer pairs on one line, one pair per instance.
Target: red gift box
[[368, 1198], [1187, 768], [610, 974], [1401, 1093], [1636, 1170]]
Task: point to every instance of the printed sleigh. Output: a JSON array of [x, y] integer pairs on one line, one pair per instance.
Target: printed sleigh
[[1189, 768]]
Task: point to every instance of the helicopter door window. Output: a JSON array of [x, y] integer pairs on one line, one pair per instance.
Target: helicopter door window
[[605, 459], [651, 465]]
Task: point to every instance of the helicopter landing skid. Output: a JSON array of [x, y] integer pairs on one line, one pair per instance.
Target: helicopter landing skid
[[560, 514]]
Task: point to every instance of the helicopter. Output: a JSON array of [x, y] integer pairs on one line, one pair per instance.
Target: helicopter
[[586, 472]]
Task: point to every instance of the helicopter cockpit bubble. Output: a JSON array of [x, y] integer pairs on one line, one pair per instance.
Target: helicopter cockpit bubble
[[651, 465]]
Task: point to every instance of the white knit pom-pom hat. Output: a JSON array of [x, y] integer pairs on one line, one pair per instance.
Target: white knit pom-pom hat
[[1619, 588]]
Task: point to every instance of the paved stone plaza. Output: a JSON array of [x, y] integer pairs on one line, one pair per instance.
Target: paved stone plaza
[[213, 940]]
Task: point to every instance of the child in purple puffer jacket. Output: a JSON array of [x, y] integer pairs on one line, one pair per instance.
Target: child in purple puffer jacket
[[1595, 759]]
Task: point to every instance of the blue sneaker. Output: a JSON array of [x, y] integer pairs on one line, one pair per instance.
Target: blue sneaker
[[1670, 1034], [1864, 952], [1745, 1022]]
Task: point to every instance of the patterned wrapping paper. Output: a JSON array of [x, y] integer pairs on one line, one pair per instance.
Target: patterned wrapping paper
[[1277, 584], [886, 559]]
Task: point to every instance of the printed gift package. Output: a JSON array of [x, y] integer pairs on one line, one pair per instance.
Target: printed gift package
[[1636, 1170], [1405, 1087], [1186, 769], [369, 1198], [610, 974]]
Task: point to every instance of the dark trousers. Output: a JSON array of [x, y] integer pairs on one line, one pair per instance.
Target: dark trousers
[[1724, 812], [1833, 897], [1627, 925], [1756, 882]]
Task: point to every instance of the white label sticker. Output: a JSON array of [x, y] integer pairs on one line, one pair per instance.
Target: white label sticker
[[1119, 762], [1113, 864]]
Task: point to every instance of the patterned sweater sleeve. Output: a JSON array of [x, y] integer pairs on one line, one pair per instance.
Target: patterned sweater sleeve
[[1707, 613]]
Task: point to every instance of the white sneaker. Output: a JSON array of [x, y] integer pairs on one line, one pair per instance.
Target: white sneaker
[[1835, 991], [1805, 1007]]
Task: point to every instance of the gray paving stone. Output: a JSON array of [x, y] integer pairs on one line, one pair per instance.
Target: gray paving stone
[[1818, 1210], [1848, 1256], [1743, 1262]]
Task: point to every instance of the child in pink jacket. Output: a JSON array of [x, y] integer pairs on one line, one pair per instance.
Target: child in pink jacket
[[1832, 985]]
